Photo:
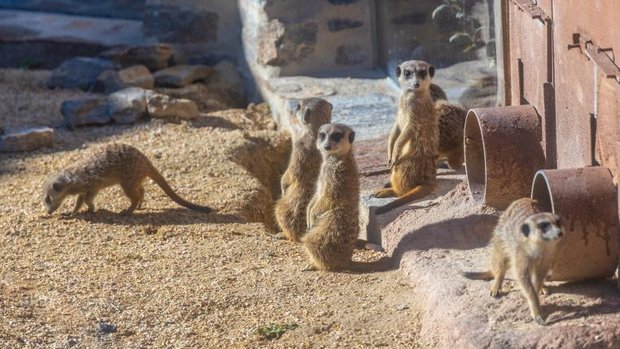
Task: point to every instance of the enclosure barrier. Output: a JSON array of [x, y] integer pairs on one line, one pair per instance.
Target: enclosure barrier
[[503, 151], [585, 199]]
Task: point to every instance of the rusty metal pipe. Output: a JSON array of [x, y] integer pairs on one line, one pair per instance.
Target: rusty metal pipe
[[585, 199], [503, 151]]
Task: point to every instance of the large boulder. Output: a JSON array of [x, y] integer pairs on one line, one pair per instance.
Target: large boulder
[[85, 111], [27, 139], [78, 73], [154, 57], [182, 75], [165, 107], [135, 76], [128, 105]]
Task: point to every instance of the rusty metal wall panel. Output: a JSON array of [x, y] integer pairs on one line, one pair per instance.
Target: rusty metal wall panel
[[531, 70], [586, 107]]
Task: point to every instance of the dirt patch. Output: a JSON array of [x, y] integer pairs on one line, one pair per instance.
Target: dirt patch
[[170, 277]]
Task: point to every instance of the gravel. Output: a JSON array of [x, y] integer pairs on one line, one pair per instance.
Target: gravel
[[166, 276]]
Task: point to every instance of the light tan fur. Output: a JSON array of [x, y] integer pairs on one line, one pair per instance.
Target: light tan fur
[[524, 239], [333, 212], [299, 179], [413, 141], [105, 166]]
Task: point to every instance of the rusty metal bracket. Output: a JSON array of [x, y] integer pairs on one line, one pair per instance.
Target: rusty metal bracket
[[532, 10], [596, 54]]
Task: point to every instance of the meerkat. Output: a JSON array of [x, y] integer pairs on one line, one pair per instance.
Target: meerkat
[[451, 125], [108, 165], [526, 240], [299, 179], [414, 139], [333, 212]]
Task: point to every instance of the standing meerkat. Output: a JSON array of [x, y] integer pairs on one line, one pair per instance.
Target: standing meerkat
[[526, 240], [106, 166], [414, 139], [300, 177], [333, 212]]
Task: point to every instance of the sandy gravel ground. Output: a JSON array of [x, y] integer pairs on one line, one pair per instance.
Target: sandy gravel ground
[[168, 277]]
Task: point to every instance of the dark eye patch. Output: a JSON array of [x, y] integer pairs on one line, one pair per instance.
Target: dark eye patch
[[422, 73], [544, 226], [48, 200], [407, 73], [337, 136], [322, 136]]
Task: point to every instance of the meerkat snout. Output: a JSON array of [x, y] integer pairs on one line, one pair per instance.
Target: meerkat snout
[[415, 75]]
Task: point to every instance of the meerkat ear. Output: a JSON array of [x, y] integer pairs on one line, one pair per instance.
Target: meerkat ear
[[331, 107], [306, 115], [525, 229], [431, 71], [351, 136], [398, 71]]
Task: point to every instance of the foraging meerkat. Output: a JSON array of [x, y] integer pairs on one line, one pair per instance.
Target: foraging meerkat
[[414, 139], [299, 179], [333, 212], [526, 240], [108, 165]]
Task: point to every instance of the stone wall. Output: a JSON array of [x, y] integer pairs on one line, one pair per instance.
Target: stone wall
[[285, 38], [202, 31]]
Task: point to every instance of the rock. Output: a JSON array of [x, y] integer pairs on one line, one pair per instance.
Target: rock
[[226, 85], [85, 111], [154, 57], [461, 41], [165, 107], [128, 105], [182, 75], [444, 18], [401, 307], [78, 73], [27, 139], [105, 327], [135, 76]]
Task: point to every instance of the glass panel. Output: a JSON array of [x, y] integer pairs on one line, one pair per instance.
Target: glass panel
[[456, 36]]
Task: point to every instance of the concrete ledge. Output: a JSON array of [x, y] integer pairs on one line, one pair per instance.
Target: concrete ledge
[[435, 244]]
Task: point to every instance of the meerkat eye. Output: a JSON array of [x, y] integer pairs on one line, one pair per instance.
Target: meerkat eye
[[48, 200], [337, 137], [422, 74], [322, 136], [544, 226], [407, 74]]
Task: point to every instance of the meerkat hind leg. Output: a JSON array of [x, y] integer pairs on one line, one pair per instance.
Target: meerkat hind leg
[[88, 199], [384, 193], [135, 193]]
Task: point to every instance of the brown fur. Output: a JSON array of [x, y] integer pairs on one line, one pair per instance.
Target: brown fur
[[413, 142], [299, 179], [106, 166], [333, 212], [530, 255], [451, 124]]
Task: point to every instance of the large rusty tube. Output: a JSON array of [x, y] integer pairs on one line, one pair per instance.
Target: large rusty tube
[[585, 199], [503, 151]]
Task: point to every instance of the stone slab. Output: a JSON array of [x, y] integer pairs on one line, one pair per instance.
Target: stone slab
[[44, 40], [27, 139]]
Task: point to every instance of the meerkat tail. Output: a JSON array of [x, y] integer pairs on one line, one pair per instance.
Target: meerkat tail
[[478, 275], [416, 193], [163, 184]]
